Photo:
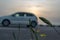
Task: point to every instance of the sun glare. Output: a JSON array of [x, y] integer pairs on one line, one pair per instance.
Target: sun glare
[[37, 11], [33, 10]]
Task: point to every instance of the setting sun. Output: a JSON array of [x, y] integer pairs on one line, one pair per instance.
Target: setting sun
[[33, 10], [36, 10]]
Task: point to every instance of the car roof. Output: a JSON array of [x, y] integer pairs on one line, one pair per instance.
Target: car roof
[[23, 12]]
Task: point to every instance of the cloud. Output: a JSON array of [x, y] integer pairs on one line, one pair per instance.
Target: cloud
[[46, 8]]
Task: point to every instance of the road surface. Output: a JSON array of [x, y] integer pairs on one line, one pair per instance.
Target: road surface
[[6, 33]]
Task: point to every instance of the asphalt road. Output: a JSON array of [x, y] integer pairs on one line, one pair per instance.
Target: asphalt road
[[44, 33]]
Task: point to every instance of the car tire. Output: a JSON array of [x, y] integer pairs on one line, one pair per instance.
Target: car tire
[[33, 24], [5, 22]]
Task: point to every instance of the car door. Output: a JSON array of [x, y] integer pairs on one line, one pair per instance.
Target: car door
[[23, 19], [26, 19], [19, 18], [15, 18]]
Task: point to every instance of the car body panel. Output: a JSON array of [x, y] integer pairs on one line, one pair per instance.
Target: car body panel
[[18, 20]]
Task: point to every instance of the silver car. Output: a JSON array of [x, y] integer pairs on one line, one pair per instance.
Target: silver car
[[19, 18]]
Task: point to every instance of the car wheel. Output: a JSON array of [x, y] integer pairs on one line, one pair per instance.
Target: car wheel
[[5, 22], [33, 24]]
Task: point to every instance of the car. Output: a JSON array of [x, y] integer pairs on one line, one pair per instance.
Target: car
[[20, 18]]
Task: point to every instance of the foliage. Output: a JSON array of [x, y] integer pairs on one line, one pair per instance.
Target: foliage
[[46, 21]]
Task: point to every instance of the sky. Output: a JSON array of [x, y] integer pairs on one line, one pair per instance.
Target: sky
[[50, 9]]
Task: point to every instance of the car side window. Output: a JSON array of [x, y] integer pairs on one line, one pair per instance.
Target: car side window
[[17, 15], [29, 14], [21, 14]]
